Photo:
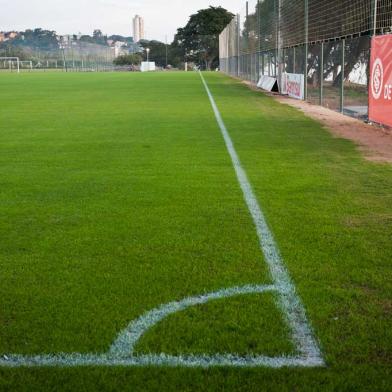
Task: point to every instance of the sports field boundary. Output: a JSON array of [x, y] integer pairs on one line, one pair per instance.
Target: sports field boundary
[[121, 353]]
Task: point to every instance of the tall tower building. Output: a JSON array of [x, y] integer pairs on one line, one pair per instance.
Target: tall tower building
[[138, 28]]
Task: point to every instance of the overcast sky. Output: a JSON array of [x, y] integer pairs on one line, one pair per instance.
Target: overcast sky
[[111, 16]]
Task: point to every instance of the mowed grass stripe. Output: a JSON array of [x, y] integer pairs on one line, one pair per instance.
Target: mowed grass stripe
[[329, 210], [117, 195]]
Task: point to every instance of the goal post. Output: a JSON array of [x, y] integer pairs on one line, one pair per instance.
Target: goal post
[[27, 63], [11, 60]]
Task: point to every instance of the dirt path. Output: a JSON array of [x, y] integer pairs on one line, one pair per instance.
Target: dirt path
[[374, 141]]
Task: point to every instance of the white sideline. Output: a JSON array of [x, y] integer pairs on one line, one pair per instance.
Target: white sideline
[[288, 299], [186, 361], [121, 352]]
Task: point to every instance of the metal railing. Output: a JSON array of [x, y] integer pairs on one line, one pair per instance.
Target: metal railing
[[328, 42]]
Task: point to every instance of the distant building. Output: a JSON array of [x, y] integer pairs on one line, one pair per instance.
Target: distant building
[[66, 40], [12, 34], [138, 28], [5, 36], [120, 48]]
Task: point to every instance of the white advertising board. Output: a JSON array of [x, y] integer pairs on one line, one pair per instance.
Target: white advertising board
[[147, 66], [295, 85], [266, 82]]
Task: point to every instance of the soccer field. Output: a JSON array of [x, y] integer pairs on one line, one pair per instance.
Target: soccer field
[[155, 237]]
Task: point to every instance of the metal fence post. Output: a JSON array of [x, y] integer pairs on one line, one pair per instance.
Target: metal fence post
[[269, 64], [258, 41], [294, 59], [261, 70], [342, 77], [238, 43], [280, 53], [322, 74], [375, 5], [248, 76], [306, 49]]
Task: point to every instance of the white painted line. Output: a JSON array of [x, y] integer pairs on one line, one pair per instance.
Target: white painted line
[[188, 361], [288, 299]]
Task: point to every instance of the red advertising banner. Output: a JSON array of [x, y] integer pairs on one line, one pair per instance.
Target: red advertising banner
[[380, 86]]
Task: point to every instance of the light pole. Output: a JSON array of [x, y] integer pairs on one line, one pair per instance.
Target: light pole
[[62, 47], [166, 51], [148, 55]]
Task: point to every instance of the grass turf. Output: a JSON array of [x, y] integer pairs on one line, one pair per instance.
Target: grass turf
[[117, 195]]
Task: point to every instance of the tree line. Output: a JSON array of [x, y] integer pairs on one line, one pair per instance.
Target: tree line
[[196, 42]]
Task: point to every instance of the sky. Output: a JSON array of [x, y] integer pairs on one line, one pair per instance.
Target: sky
[[162, 18]]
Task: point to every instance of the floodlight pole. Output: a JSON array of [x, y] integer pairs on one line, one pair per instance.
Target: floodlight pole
[[166, 52], [73, 58], [64, 61]]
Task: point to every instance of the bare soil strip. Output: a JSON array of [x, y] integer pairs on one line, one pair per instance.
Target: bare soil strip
[[374, 141]]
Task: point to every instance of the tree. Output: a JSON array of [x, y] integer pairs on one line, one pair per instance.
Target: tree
[[44, 40], [128, 59], [15, 51], [176, 55], [31, 45], [163, 54], [99, 38], [157, 52], [199, 39], [116, 37]]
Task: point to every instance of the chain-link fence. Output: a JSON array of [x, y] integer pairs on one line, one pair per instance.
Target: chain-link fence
[[83, 56], [328, 42], [70, 56]]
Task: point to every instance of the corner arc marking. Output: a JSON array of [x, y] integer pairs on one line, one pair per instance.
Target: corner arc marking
[[126, 342]]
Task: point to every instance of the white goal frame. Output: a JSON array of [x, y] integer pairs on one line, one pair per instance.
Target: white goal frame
[[10, 59], [28, 62]]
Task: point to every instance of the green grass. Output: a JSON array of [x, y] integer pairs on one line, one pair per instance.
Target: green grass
[[220, 327], [117, 195]]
